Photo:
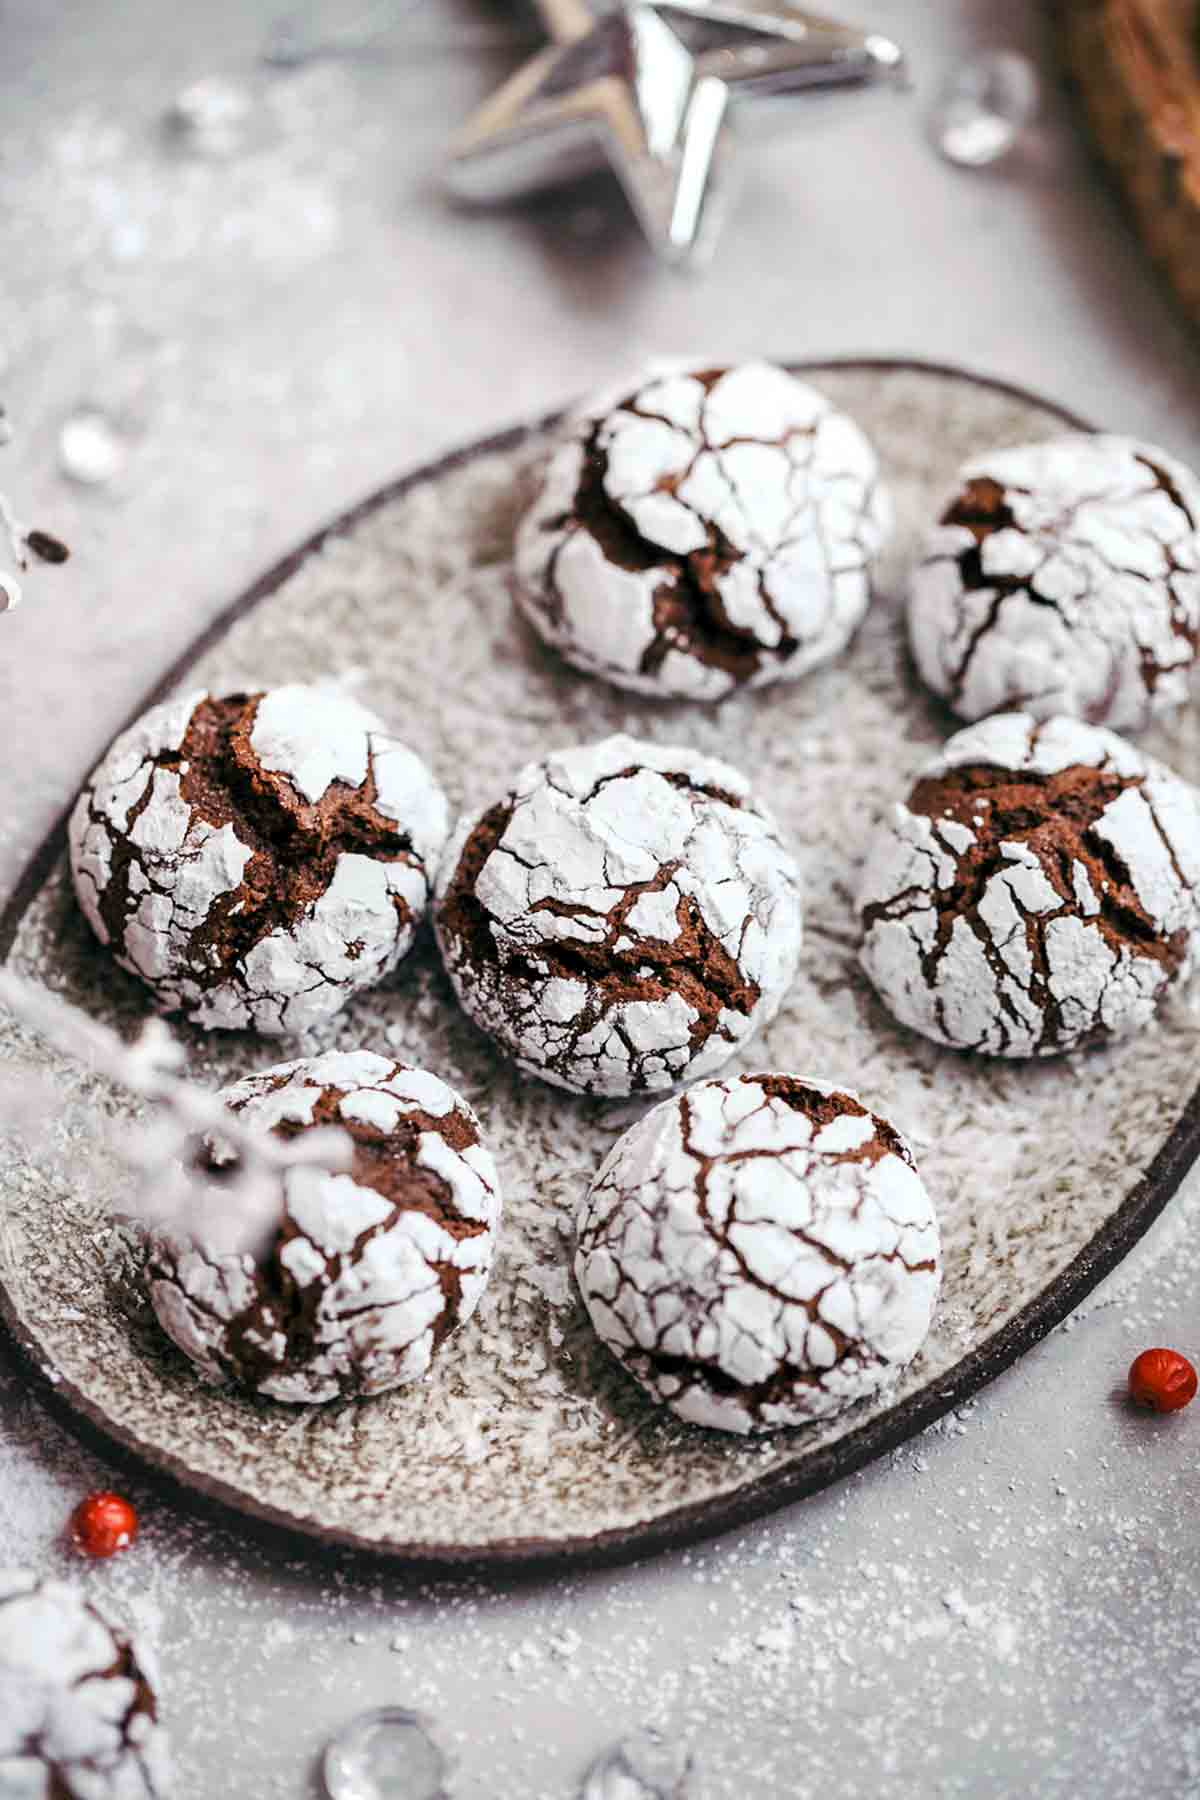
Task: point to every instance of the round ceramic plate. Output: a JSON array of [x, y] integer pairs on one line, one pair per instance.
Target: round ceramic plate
[[528, 1442]]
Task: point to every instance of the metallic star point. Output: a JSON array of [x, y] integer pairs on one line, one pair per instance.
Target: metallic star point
[[649, 89]]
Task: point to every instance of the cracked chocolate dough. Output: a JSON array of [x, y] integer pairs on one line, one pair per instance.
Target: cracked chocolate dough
[[78, 1716], [625, 919], [759, 1252], [367, 1272], [704, 530], [1036, 893], [257, 858], [1064, 577]]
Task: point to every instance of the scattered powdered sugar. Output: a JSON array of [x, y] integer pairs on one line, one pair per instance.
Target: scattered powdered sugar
[[936, 1619]]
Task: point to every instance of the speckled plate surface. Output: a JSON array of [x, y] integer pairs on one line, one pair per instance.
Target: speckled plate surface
[[528, 1443]]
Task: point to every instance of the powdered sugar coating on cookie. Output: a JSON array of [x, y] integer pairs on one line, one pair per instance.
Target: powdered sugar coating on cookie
[[702, 530], [1064, 577], [369, 1271], [257, 858], [78, 1716], [623, 920], [1038, 892], [759, 1252]]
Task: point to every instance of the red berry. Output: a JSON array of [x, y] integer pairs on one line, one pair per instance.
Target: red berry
[[103, 1524], [1162, 1379]]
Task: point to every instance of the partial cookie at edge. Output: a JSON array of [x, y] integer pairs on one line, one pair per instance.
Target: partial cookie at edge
[[1037, 892], [1063, 577], [78, 1711]]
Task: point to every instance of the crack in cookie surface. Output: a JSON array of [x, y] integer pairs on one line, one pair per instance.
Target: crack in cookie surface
[[625, 918], [257, 858], [1063, 577], [365, 1273], [1037, 892], [704, 530], [759, 1252]]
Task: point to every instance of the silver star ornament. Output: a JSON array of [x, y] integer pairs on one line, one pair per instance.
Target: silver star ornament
[[649, 89]]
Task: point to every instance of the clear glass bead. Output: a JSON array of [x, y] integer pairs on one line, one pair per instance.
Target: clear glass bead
[[385, 1755], [644, 1766], [984, 107], [91, 447]]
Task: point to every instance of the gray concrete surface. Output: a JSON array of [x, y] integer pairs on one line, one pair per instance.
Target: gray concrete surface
[[1009, 1605]]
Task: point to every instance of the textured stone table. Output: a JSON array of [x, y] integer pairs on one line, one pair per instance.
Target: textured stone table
[[1007, 1606]]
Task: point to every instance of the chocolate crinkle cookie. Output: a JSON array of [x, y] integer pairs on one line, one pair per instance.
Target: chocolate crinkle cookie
[[759, 1252], [1064, 577], [703, 530], [257, 858], [78, 1715], [624, 919], [364, 1274], [1037, 892]]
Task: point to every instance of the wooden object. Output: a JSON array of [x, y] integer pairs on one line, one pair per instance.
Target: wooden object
[[1136, 64]]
